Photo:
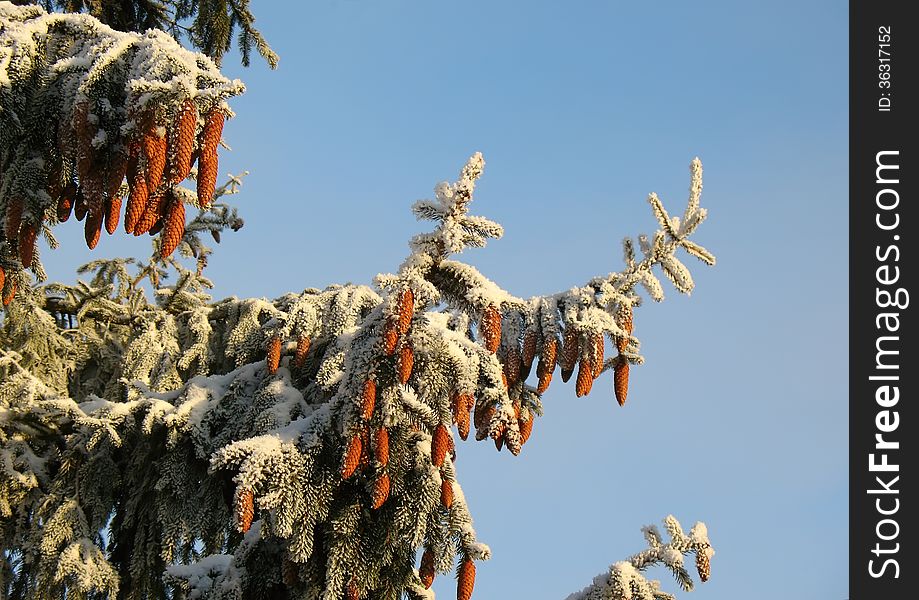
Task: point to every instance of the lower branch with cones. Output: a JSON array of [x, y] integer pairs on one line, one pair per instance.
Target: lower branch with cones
[[301, 447]]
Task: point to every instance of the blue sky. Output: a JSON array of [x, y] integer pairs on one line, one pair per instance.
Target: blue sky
[[739, 416]]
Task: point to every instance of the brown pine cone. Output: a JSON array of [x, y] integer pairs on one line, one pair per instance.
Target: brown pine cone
[[65, 202], [207, 157], [380, 490], [466, 580], [599, 349], [155, 148], [381, 449], [406, 310], [512, 366], [303, 348], [585, 377], [490, 326], [526, 426], [137, 202], [112, 214], [117, 167], [703, 564], [352, 456], [464, 402], [406, 362], [273, 359], [446, 493], [546, 365], [351, 592], [27, 243], [9, 292], [173, 225], [185, 126], [368, 399], [80, 206], [152, 212], [499, 441], [621, 380], [440, 444], [426, 570], [390, 338], [244, 510], [530, 342], [2, 279], [570, 351], [13, 218], [92, 228]]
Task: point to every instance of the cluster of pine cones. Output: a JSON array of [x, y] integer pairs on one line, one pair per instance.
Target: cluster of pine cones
[[157, 158]]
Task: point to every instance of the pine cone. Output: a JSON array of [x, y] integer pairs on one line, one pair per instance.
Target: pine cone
[[621, 380], [92, 228], [151, 214], [352, 457], [585, 377], [512, 366], [27, 244], [546, 366], [464, 402], [65, 202], [10, 291], [155, 148], [380, 490], [390, 338], [137, 202], [381, 450], [112, 214], [499, 441], [446, 493], [351, 592], [173, 225], [530, 341], [570, 351], [273, 359], [599, 349], [117, 167], [426, 570], [526, 426], [490, 326], [303, 348], [406, 362], [80, 206], [157, 227], [245, 509], [2, 279], [406, 310], [207, 158], [185, 126], [368, 399], [13, 218], [440, 444], [465, 581], [703, 564]]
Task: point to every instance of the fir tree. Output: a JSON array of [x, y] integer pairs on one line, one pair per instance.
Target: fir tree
[[300, 447]]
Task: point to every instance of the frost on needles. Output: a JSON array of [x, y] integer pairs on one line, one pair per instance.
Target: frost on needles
[[301, 447]]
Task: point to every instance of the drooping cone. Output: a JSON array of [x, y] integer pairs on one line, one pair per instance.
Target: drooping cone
[[27, 244], [244, 510], [173, 225], [406, 309], [9, 292], [151, 214], [368, 399], [303, 348], [154, 147], [440, 444], [512, 366], [530, 341], [491, 327], [463, 404], [13, 218], [621, 381], [207, 157], [80, 206], [570, 352], [380, 490], [406, 362], [390, 337], [65, 202], [92, 228], [426, 569], [446, 493], [137, 202], [273, 359], [703, 564], [381, 449], [112, 214], [599, 349], [465, 580], [525, 426], [352, 456], [2, 279], [117, 167], [499, 441], [186, 123], [585, 377], [546, 365], [482, 415]]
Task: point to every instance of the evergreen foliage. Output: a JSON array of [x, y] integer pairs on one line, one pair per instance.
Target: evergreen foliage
[[300, 447]]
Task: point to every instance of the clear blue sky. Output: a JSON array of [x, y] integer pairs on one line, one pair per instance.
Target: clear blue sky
[[739, 416]]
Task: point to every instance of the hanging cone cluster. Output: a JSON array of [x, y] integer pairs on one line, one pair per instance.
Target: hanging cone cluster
[[244, 510], [465, 580]]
